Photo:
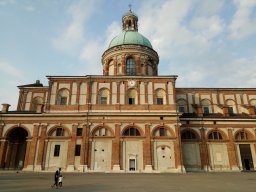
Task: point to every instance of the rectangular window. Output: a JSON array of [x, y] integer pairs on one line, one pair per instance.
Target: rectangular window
[[63, 101], [103, 100], [181, 109], [206, 110], [60, 132], [56, 150], [79, 131], [159, 101], [77, 150], [162, 132], [230, 110], [131, 101]]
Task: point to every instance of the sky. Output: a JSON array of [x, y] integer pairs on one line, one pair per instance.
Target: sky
[[207, 43]]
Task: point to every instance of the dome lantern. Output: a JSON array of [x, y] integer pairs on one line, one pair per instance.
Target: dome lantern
[[130, 21], [130, 53]]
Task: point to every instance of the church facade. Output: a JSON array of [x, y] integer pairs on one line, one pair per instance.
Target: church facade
[[130, 119]]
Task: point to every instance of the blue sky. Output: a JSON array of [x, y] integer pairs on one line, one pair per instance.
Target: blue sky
[[206, 43]]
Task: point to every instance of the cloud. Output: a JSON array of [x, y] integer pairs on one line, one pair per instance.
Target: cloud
[[29, 8], [243, 23], [113, 30], [74, 33], [191, 40], [7, 2], [8, 69], [91, 57], [93, 50]]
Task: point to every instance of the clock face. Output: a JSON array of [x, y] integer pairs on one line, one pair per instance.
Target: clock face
[[131, 83]]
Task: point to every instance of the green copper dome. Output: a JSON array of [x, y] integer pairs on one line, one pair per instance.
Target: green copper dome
[[130, 37]]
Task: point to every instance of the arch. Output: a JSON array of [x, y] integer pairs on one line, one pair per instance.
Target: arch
[[132, 126], [17, 126], [36, 101], [132, 96], [107, 132], [160, 96], [103, 96], [189, 134], [15, 148], [54, 128], [216, 135], [243, 135], [155, 131], [130, 66], [182, 105], [63, 96]]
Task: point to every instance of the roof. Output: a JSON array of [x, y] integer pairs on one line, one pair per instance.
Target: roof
[[128, 38], [36, 84]]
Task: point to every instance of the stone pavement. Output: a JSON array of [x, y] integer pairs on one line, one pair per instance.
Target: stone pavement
[[113, 182]]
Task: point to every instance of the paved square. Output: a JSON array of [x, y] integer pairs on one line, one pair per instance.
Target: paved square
[[90, 182]]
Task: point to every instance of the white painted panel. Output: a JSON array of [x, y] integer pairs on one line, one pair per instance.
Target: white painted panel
[[64, 85], [214, 98], [142, 93], [122, 94], [197, 99], [150, 93], [104, 85]]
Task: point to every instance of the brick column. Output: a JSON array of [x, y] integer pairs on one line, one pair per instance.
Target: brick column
[[233, 163], [1, 129], [123, 65], [27, 153], [32, 152], [115, 66], [88, 94], [71, 149], [41, 148], [78, 92], [83, 154], [205, 165], [3, 152], [116, 149], [137, 63], [3, 146], [251, 110], [46, 142], [86, 147], [147, 150], [118, 92], [177, 150], [146, 92]]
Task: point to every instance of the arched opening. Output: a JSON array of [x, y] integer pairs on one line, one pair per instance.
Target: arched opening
[[160, 97], [35, 102], [63, 97], [206, 106], [16, 148], [132, 97], [103, 98], [131, 131], [130, 67]]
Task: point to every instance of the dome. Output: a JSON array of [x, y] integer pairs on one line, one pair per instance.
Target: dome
[[130, 37]]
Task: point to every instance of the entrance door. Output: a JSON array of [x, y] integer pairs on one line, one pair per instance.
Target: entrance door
[[16, 149], [132, 165], [246, 156]]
